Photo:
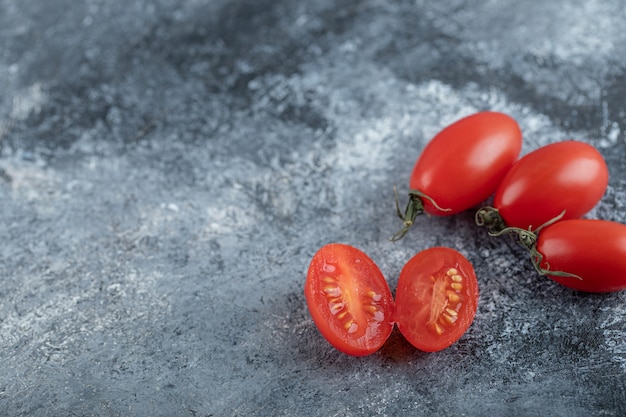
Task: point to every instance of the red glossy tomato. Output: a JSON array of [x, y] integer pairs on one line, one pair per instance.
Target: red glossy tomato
[[593, 250], [464, 163], [569, 175], [349, 299], [436, 298]]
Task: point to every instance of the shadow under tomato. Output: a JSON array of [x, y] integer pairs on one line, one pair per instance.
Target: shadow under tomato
[[398, 350]]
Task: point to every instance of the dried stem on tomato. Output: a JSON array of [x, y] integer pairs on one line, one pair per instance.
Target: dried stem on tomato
[[490, 218], [414, 208], [526, 238]]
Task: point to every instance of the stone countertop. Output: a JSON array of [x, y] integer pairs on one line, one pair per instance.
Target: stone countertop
[[168, 168]]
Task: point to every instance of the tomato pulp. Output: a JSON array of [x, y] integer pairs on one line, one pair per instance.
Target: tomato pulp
[[464, 163], [349, 299], [568, 176], [436, 298], [593, 250]]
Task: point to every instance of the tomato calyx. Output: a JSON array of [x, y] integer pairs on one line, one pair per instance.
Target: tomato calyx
[[526, 238], [414, 208], [490, 218]]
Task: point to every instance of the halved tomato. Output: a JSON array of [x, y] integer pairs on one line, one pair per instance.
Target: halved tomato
[[436, 298], [349, 299]]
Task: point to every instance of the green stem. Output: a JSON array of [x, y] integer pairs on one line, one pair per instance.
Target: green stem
[[527, 238], [491, 219], [414, 208]]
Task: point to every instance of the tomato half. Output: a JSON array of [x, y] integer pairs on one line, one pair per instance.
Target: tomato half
[[349, 299], [593, 250], [436, 298], [568, 175], [464, 163]]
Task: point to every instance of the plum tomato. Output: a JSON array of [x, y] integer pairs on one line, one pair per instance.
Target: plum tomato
[[436, 298], [568, 177], [462, 166], [349, 299], [583, 254]]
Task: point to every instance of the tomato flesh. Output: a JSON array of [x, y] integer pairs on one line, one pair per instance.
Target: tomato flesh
[[464, 163], [349, 299], [568, 175], [436, 298], [594, 250]]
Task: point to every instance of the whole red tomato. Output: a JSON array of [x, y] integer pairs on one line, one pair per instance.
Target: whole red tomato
[[566, 178], [462, 166], [583, 254], [436, 298], [349, 299]]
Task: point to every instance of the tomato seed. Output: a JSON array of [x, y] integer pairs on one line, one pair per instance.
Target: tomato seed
[[332, 291], [453, 297], [437, 328], [449, 319], [452, 271], [371, 308], [351, 326], [374, 296], [335, 307]]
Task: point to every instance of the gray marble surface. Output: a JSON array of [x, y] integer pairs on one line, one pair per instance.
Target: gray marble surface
[[168, 168]]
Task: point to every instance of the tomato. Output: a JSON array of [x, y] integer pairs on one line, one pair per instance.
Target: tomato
[[349, 299], [436, 298], [568, 175], [464, 163], [592, 250], [462, 166]]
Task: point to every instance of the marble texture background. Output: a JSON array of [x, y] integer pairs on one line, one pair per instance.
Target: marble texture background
[[168, 168]]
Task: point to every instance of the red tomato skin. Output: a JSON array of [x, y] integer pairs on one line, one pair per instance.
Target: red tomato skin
[[464, 163], [416, 291], [339, 266], [568, 175], [595, 250]]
